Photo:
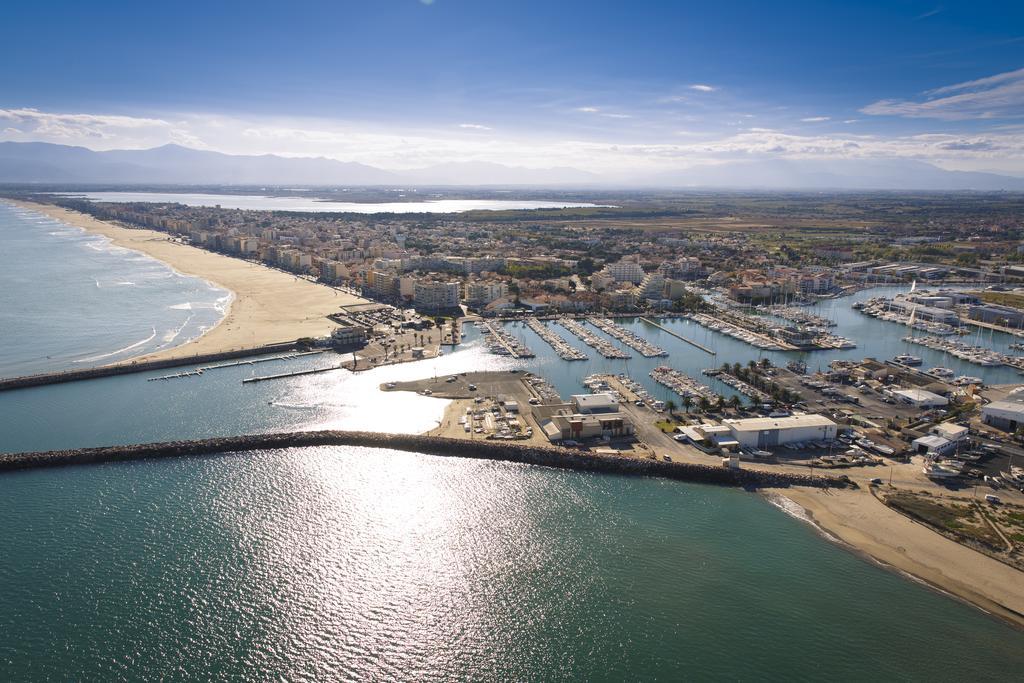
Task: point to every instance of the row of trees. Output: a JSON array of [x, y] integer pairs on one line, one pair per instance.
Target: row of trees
[[754, 375]]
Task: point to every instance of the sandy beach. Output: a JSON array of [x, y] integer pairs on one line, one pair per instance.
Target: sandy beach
[[268, 305], [867, 525]]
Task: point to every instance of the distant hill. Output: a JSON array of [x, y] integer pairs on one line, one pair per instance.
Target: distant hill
[[43, 162], [38, 162]]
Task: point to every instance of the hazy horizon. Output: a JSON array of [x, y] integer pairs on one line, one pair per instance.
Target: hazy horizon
[[623, 93]]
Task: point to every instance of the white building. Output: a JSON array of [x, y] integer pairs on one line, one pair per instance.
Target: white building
[[483, 292], [586, 416], [435, 295], [766, 432], [625, 271], [652, 286], [1007, 414], [921, 398]]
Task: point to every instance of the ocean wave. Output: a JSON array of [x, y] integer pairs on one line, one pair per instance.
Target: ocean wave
[[187, 306], [797, 511], [114, 353], [173, 334]]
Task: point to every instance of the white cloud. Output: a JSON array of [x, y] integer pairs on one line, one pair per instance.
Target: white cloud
[[70, 127], [611, 151], [618, 116], [816, 119], [474, 126], [588, 110], [998, 96], [700, 87]]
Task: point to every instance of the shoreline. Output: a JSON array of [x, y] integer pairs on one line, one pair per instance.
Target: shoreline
[[265, 306], [884, 537]]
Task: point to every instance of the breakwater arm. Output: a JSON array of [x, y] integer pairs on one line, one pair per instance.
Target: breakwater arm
[[546, 456], [131, 367]]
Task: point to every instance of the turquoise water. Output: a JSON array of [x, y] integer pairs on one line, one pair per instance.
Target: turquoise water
[[356, 564], [359, 564], [73, 300]]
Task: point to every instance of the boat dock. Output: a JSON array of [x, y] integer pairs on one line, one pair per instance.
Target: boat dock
[[130, 367], [679, 336], [605, 348], [500, 341], [638, 344], [297, 373], [563, 348], [251, 361]]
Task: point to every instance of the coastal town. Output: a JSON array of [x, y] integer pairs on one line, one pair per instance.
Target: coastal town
[[697, 349]]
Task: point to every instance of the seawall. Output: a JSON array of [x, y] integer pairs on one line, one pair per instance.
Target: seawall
[[432, 445], [130, 367]]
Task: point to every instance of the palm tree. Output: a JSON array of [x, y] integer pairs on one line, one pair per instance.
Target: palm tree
[[720, 402], [734, 402], [704, 405], [670, 405], [687, 402], [766, 363], [752, 364], [736, 368]]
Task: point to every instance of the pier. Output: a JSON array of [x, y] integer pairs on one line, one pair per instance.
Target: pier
[[638, 344], [679, 336], [133, 366], [297, 373]]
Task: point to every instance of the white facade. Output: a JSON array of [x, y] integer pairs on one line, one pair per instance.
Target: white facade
[[433, 295], [625, 271], [483, 292], [766, 432], [921, 398]]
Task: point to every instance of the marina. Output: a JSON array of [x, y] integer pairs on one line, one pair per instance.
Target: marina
[[682, 384], [564, 349], [501, 342], [605, 348], [633, 341], [679, 336], [978, 355], [736, 383], [736, 332]]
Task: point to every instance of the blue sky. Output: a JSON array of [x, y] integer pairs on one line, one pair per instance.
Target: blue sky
[[607, 86]]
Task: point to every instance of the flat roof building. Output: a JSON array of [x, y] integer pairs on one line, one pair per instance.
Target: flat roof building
[[1007, 414], [766, 432], [921, 398]]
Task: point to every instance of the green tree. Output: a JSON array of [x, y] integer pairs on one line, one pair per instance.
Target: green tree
[[687, 402], [670, 405]]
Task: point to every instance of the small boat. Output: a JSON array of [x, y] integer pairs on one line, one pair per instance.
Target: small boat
[[941, 373], [907, 359]]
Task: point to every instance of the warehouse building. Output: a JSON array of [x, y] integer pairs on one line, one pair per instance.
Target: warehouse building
[[1007, 414], [767, 432]]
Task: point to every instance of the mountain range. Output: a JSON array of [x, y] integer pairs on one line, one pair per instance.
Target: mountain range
[[39, 162]]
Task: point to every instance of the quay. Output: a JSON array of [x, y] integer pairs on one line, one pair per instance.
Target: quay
[[133, 366], [297, 373], [546, 456], [679, 336]]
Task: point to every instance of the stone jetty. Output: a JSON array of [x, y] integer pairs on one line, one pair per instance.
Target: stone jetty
[[546, 456]]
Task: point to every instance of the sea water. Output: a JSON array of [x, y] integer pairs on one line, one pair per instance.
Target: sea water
[[70, 299]]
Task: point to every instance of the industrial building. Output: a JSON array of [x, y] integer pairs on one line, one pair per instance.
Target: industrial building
[[1007, 414], [920, 398], [767, 432]]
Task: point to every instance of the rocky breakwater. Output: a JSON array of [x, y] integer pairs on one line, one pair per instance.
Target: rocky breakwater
[[431, 445]]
